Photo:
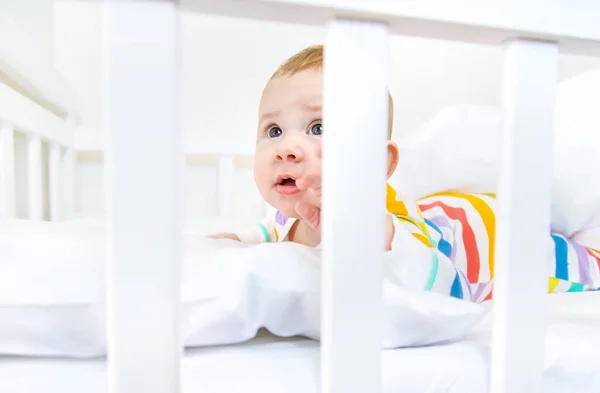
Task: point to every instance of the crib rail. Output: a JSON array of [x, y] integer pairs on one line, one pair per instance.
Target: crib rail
[[225, 156], [48, 194], [228, 152], [31, 72], [37, 104], [573, 23]]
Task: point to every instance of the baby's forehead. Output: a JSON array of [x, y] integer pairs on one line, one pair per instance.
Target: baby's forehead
[[302, 91], [283, 113], [295, 103]]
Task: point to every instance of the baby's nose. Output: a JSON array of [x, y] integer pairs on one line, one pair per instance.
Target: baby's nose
[[290, 154]]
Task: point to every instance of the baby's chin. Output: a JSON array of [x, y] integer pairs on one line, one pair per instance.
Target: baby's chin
[[287, 209]]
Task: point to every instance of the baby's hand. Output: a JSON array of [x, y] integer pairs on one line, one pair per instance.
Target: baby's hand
[[230, 236], [309, 210]]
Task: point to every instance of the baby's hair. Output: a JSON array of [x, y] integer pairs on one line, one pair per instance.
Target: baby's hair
[[312, 58]]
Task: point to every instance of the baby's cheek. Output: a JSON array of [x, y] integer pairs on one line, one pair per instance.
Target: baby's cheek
[[263, 180], [260, 179], [261, 168], [314, 160], [319, 150]]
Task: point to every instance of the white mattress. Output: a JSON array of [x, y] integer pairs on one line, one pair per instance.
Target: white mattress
[[272, 365]]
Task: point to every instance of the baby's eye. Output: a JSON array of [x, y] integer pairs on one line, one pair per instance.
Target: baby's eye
[[316, 129], [275, 132]]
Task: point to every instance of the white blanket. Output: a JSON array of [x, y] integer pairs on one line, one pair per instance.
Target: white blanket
[[52, 294]]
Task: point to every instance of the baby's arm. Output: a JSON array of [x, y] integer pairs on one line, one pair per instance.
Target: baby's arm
[[225, 235], [262, 232], [416, 264], [414, 261]]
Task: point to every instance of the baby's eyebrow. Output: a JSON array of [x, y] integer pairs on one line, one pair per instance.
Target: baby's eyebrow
[[268, 115], [317, 107]]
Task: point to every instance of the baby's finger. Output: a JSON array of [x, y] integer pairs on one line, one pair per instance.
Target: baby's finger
[[311, 181], [316, 193], [311, 214]]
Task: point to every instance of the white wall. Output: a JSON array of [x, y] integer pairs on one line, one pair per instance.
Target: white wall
[[77, 53], [35, 17], [225, 65]]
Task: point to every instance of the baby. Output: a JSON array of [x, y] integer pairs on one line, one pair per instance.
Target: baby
[[443, 243], [287, 164]]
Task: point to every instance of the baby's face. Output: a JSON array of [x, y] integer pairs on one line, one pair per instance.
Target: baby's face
[[288, 141]]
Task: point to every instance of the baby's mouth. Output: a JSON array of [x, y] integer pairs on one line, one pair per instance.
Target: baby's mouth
[[286, 186], [287, 182]]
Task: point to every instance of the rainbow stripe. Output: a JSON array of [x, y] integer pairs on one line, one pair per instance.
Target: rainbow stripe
[[470, 230], [461, 230]]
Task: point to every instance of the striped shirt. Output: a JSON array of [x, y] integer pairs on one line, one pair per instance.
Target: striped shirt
[[460, 229]]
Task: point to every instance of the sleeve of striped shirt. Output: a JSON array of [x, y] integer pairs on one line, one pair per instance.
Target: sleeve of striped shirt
[[574, 268], [413, 261], [262, 232], [415, 264]]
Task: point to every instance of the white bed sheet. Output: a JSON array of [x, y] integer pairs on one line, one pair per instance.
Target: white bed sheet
[[273, 365]]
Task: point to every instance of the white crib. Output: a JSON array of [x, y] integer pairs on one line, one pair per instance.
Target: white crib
[[145, 166]]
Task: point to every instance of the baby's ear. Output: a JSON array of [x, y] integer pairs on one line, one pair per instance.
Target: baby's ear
[[393, 157]]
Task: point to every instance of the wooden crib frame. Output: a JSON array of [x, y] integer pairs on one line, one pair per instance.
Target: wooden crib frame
[[144, 171]]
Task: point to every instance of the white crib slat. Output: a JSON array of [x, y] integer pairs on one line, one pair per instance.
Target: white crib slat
[[354, 162], [35, 197], [523, 240], [144, 167], [68, 182], [7, 170], [54, 181], [68, 174], [225, 185]]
